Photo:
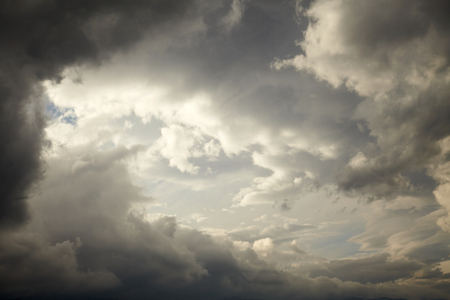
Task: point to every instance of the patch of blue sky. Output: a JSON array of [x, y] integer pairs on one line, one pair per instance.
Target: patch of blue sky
[[64, 114]]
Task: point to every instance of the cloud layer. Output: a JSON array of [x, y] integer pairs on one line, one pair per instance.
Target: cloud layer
[[211, 150]]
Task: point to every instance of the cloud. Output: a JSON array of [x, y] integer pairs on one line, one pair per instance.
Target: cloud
[[87, 225], [372, 269], [176, 145], [30, 264], [194, 116], [41, 40], [221, 104], [292, 176], [90, 230], [395, 55], [406, 233], [234, 16]]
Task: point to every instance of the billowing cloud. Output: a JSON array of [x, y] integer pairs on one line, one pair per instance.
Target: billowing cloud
[[89, 236], [223, 149], [395, 55], [39, 40]]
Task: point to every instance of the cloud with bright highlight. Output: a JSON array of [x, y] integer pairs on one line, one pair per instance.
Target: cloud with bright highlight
[[226, 149]]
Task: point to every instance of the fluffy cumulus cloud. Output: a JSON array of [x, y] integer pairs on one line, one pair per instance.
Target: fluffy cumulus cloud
[[229, 149]]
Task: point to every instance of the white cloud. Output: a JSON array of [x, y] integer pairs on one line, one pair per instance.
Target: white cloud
[[264, 246], [176, 144]]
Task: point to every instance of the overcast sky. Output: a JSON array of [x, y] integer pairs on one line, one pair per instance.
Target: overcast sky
[[215, 149]]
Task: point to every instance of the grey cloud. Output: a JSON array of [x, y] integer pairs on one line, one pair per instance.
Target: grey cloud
[[22, 139], [87, 240], [38, 40], [378, 181], [407, 135], [249, 98], [250, 233], [374, 269], [86, 226], [372, 39], [418, 128], [82, 230], [33, 268], [379, 26], [235, 68], [284, 205], [408, 234]]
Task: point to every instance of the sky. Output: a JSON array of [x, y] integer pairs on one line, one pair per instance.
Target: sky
[[224, 149]]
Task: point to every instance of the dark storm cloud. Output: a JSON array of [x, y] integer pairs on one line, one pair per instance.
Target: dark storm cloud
[[38, 39]]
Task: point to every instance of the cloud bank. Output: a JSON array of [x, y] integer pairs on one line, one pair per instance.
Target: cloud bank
[[222, 149]]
